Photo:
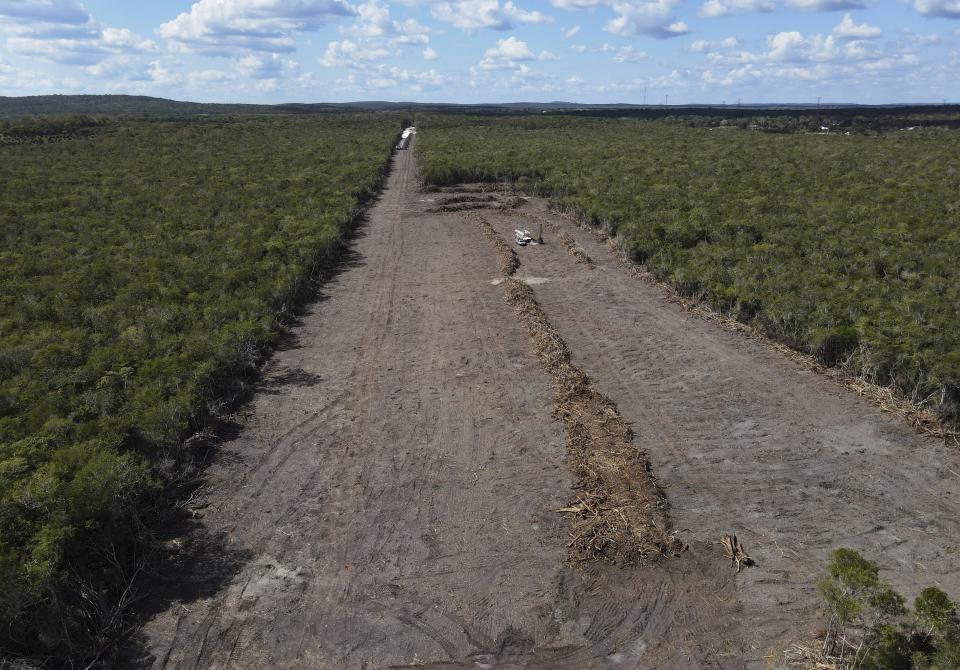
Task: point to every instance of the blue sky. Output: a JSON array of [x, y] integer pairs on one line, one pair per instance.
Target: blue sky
[[654, 51]]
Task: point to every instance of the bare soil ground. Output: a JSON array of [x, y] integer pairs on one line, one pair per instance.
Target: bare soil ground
[[390, 501]]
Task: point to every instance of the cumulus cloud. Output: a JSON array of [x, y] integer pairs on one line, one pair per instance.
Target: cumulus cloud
[[705, 46], [62, 12], [347, 53], [655, 18], [63, 32], [485, 14], [640, 17], [713, 8], [383, 77], [628, 54], [430, 54], [264, 65], [949, 9], [510, 49], [222, 26], [374, 23], [848, 29], [510, 53], [849, 54]]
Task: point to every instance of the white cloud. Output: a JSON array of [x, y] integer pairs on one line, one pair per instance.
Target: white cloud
[[430, 54], [510, 49], [642, 17], [826, 5], [62, 12], [655, 18], [713, 8], [628, 54], [949, 9], [263, 65], [844, 58], [520, 16], [479, 14], [510, 54], [374, 23], [222, 26], [383, 77], [421, 80], [347, 53], [63, 32], [706, 46], [567, 34], [121, 38], [848, 29], [160, 74]]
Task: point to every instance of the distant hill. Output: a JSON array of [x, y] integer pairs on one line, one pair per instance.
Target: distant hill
[[141, 105], [130, 105]]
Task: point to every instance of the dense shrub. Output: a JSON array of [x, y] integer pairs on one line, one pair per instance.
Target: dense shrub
[[871, 627], [142, 267], [843, 246]]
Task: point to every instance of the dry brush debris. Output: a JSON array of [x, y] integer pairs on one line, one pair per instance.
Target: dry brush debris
[[460, 207], [509, 261], [735, 552], [620, 510]]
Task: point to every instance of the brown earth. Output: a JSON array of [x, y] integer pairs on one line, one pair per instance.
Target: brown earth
[[390, 499]]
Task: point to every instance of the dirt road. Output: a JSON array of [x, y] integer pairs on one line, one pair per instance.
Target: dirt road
[[390, 500]]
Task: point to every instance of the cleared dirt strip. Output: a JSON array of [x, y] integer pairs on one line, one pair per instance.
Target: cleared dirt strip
[[389, 497]]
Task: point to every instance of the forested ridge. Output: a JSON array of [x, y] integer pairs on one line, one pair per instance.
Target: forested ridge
[[144, 268], [842, 245]]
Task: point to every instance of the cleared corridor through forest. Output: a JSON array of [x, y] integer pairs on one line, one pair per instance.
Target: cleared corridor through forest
[[390, 499]]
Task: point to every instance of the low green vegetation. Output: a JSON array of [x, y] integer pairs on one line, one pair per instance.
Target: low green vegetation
[[871, 628], [844, 246], [143, 269]]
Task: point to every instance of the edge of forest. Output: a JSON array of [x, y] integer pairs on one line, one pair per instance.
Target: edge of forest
[[234, 387], [112, 624], [889, 399]]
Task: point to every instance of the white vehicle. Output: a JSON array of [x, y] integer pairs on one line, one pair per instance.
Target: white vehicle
[[523, 237]]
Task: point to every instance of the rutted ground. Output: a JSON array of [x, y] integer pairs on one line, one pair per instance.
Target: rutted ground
[[392, 493]]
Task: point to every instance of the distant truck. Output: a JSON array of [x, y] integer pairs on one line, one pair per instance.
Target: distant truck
[[405, 137]]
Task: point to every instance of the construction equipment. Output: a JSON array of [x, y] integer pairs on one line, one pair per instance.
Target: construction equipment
[[523, 237]]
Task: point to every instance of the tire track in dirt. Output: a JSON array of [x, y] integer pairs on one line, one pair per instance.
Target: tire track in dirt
[[745, 441], [409, 469], [620, 511]]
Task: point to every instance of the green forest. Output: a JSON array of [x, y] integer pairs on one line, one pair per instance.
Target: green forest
[[845, 246], [144, 268]]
